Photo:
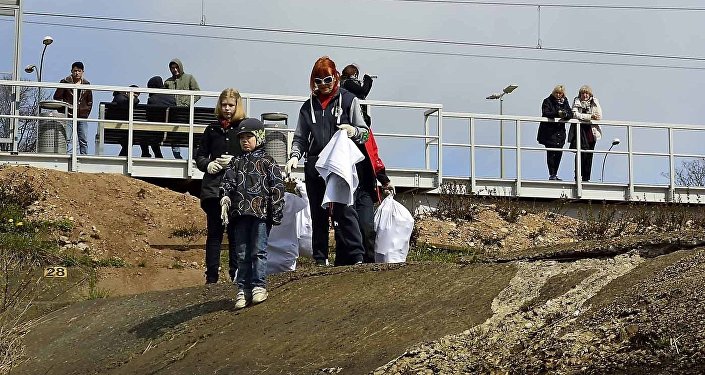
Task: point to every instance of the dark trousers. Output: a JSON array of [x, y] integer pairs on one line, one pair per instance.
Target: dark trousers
[[364, 206], [351, 249], [585, 161], [214, 239], [553, 160], [156, 150]]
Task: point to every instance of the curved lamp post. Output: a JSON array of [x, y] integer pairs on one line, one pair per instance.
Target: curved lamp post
[[500, 96], [33, 68], [614, 143]]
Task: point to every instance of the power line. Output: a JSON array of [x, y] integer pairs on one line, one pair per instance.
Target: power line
[[458, 54], [593, 6], [372, 37]]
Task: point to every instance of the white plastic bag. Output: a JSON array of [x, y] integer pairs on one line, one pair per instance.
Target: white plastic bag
[[393, 224], [304, 225], [283, 244]]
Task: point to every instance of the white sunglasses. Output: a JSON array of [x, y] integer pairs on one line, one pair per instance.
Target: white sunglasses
[[324, 81]]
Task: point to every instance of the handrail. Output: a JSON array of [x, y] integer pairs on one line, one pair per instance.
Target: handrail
[[435, 127]]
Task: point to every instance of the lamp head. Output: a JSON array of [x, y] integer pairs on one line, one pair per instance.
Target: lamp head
[[509, 89], [30, 68], [615, 141], [494, 96], [47, 40]]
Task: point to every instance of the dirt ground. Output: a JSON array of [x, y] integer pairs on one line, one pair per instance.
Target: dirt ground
[[532, 300]]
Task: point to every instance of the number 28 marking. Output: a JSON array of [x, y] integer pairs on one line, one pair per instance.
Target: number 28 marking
[[55, 271]]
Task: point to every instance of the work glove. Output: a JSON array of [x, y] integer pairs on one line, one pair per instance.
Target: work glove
[[291, 164], [351, 130], [214, 167], [224, 160], [224, 209]]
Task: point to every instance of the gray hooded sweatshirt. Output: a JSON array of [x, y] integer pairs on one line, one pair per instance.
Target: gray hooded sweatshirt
[[182, 82]]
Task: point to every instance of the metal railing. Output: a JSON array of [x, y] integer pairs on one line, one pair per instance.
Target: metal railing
[[438, 136]]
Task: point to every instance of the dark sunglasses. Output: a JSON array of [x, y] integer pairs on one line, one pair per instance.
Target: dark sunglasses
[[324, 81]]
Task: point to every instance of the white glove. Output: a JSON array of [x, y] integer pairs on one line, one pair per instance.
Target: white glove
[[351, 130], [224, 209], [291, 164], [224, 160], [214, 167]]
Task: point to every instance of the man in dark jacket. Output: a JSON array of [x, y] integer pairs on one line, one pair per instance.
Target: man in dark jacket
[[121, 100], [552, 134], [349, 81], [157, 105], [84, 103]]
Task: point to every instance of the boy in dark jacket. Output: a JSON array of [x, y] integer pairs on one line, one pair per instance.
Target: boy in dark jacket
[[253, 198]]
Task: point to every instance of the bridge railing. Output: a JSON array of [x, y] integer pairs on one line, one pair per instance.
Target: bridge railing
[[413, 172], [649, 164]]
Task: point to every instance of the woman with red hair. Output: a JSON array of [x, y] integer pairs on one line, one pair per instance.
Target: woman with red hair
[[329, 109]]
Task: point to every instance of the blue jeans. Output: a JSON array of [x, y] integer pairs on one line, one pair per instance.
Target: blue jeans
[[251, 248], [82, 136]]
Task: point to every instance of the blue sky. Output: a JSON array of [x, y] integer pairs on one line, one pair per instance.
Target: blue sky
[[457, 73]]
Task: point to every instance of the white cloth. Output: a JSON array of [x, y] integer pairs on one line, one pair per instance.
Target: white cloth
[[336, 164], [283, 243]]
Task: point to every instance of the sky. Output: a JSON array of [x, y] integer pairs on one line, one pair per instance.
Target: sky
[[645, 61]]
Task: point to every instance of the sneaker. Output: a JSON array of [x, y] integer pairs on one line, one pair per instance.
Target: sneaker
[[240, 301], [259, 294], [322, 262]]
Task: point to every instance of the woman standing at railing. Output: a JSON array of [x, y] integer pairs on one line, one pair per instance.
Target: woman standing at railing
[[586, 108], [552, 134], [219, 144]]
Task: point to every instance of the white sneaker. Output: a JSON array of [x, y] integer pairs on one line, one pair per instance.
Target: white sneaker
[[259, 294], [240, 301]]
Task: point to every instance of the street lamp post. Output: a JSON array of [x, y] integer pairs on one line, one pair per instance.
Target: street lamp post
[[614, 143], [500, 96], [33, 68]]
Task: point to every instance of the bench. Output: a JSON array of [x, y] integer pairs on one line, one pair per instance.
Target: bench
[[150, 122]]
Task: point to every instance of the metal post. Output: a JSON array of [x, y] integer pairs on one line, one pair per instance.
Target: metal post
[[15, 92], [671, 167], [630, 158], [501, 140], [440, 147], [473, 179], [518, 157]]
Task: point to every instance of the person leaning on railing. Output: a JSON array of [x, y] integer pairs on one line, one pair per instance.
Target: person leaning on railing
[[552, 134], [219, 144], [586, 108]]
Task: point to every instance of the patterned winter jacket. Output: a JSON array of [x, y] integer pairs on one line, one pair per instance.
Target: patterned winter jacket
[[255, 185]]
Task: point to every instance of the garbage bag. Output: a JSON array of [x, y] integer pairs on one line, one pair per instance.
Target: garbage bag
[[304, 226], [393, 224], [283, 242]]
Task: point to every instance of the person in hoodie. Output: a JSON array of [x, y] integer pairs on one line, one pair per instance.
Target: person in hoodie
[[253, 199], [84, 102], [551, 133], [218, 145], [162, 101], [121, 99], [329, 109], [181, 81]]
